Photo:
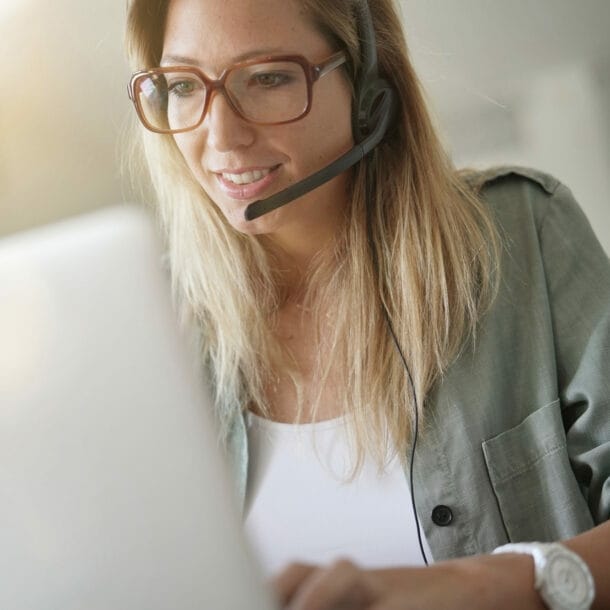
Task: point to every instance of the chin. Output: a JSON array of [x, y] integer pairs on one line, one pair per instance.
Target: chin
[[268, 223]]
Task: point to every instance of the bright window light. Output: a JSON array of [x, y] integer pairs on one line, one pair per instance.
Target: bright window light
[[8, 7]]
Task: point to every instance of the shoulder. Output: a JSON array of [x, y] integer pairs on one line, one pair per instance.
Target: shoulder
[[520, 195], [512, 187], [540, 222], [504, 177]]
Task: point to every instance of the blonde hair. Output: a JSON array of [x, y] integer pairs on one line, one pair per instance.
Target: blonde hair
[[435, 245]]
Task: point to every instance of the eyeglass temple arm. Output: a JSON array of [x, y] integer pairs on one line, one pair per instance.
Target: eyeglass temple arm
[[330, 64]]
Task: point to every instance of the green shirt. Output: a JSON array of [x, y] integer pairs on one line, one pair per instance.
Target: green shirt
[[517, 438]]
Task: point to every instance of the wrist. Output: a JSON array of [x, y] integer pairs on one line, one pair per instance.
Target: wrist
[[561, 577], [502, 582]]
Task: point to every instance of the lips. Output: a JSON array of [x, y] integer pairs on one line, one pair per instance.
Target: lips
[[246, 177], [247, 183]]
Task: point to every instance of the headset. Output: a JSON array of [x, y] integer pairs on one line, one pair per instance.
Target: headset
[[373, 111]]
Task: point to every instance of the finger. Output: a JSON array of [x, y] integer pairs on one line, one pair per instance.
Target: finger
[[342, 586], [288, 581]]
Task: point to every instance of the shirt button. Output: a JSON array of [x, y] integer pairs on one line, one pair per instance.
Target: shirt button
[[442, 515]]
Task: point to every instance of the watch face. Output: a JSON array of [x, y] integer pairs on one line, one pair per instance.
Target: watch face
[[567, 583]]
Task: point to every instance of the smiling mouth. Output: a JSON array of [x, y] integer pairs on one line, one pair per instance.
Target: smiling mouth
[[248, 184], [247, 177]]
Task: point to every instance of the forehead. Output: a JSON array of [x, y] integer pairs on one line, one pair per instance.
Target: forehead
[[215, 33]]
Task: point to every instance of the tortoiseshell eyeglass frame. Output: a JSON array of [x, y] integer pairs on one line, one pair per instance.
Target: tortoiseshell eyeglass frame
[[313, 72]]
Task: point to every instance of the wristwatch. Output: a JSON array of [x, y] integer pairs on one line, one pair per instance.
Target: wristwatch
[[561, 577]]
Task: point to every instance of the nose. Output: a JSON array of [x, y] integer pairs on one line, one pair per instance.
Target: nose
[[226, 130]]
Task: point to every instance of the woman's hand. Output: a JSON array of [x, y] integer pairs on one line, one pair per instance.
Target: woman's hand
[[496, 582]]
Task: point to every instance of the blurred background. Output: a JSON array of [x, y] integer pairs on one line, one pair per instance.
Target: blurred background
[[525, 81]]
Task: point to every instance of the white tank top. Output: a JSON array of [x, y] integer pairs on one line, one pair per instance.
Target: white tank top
[[299, 506]]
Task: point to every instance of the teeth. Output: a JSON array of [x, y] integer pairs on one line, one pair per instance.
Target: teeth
[[247, 177]]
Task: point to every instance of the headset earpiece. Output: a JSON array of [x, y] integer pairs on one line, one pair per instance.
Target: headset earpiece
[[371, 90], [370, 105]]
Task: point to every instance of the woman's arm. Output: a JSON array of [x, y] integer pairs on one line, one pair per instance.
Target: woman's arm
[[494, 582]]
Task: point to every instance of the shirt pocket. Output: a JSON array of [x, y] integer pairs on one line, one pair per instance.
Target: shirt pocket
[[529, 469]]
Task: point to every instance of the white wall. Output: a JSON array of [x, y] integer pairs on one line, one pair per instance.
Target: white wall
[[62, 109], [525, 82]]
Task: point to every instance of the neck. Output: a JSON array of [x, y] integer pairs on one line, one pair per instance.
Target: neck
[[299, 250], [301, 245]]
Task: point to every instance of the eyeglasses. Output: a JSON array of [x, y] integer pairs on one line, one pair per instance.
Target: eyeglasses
[[269, 91]]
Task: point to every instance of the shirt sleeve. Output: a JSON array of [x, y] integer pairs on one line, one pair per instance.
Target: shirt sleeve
[[578, 277]]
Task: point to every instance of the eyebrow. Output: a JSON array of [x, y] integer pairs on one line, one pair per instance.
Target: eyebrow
[[186, 60]]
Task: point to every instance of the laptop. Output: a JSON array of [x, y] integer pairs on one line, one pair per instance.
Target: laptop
[[113, 491]]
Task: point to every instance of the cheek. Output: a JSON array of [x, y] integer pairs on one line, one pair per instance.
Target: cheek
[[319, 140], [330, 129], [190, 149]]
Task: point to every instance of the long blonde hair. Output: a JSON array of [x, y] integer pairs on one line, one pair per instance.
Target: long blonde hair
[[434, 242]]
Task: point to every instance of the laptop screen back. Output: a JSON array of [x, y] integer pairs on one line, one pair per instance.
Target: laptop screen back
[[113, 494]]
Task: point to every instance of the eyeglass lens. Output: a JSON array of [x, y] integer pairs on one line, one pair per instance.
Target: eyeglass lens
[[269, 92]]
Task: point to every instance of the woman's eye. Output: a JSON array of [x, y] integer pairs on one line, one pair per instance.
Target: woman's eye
[[268, 80], [182, 88]]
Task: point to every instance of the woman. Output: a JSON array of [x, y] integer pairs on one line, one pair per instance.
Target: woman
[[462, 315]]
